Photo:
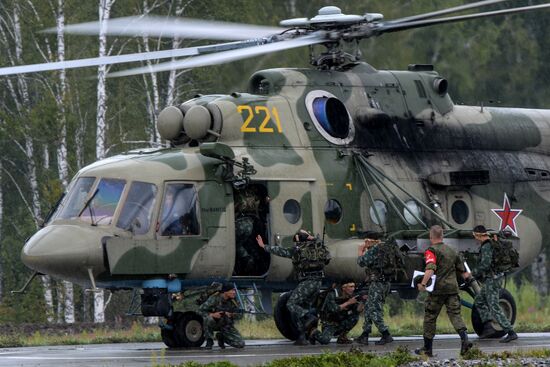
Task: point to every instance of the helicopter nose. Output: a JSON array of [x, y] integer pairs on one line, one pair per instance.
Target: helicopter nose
[[65, 251]]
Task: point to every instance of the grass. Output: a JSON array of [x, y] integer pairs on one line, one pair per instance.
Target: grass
[[354, 358]]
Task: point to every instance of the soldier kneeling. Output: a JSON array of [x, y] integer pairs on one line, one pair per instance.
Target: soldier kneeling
[[219, 313], [339, 314]]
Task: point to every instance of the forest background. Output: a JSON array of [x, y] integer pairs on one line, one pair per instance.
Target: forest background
[[54, 123]]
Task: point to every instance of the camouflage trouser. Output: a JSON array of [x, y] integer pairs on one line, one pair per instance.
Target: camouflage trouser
[[487, 305], [301, 299], [230, 334], [374, 306], [434, 304], [331, 329]]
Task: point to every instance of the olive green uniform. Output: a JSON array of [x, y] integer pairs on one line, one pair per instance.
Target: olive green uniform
[[224, 325], [377, 287], [487, 300], [335, 321], [446, 265]]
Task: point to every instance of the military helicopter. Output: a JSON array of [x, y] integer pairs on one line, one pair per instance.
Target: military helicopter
[[339, 149]]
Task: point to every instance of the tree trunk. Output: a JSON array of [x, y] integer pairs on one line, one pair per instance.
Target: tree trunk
[[539, 273], [1, 237], [104, 14]]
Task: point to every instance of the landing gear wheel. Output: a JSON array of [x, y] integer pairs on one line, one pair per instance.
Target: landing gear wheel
[[508, 305], [168, 335], [283, 319], [188, 329]]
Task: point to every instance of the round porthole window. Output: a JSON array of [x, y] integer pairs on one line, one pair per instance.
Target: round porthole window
[[333, 211], [330, 117], [460, 211], [292, 211], [380, 213], [415, 209]]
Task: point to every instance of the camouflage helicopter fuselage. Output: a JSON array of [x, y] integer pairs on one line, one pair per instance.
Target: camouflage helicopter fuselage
[[403, 123]]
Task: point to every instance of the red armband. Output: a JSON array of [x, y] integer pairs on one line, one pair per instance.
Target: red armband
[[429, 257]]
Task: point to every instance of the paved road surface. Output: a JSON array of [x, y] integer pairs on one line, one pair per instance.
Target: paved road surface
[[256, 352]]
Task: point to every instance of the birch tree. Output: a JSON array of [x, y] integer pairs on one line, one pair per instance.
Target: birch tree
[[12, 45], [104, 15]]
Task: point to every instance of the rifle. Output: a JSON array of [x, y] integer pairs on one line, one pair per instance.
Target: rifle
[[360, 291]]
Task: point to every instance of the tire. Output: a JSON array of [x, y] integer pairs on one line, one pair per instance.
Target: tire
[[168, 335], [188, 329], [283, 319], [508, 305]]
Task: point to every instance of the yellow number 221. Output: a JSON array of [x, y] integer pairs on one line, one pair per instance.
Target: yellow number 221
[[263, 114]]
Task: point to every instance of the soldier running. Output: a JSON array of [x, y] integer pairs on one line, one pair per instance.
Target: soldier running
[[219, 313], [445, 263], [339, 314], [378, 288], [486, 301], [309, 257]]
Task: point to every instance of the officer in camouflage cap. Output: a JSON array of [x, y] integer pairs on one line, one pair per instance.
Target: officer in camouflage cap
[[486, 301], [378, 287], [219, 313], [309, 257], [339, 314], [445, 263]]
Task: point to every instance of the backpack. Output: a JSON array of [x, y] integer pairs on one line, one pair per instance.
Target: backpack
[[311, 256], [390, 259], [505, 256], [205, 292]]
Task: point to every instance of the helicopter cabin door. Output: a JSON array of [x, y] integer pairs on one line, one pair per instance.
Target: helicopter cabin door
[[459, 209]]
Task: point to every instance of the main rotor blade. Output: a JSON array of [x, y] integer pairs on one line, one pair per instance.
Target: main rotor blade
[[110, 60], [173, 27], [390, 27], [227, 56], [445, 11]]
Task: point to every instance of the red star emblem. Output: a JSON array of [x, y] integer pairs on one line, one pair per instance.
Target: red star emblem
[[507, 216]]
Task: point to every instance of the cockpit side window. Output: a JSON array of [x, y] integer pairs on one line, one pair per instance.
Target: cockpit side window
[[179, 211], [101, 208], [76, 198], [137, 212]]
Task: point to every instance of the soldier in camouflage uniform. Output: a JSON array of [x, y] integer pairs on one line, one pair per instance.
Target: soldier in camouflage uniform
[[249, 219], [309, 281], [339, 314], [219, 313], [378, 288], [445, 263], [487, 300]]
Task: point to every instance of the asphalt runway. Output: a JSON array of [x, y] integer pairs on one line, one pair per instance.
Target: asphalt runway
[[256, 351]]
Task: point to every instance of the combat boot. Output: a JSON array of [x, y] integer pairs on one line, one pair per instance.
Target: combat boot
[[310, 321], [426, 350], [488, 330], [511, 336], [301, 340], [343, 339], [363, 338], [209, 343], [466, 345], [221, 341], [385, 339], [313, 336]]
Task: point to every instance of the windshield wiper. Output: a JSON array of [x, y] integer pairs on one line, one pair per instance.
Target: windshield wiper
[[53, 209], [87, 205]]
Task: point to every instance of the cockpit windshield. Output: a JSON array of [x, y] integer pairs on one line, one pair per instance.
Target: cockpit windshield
[[137, 212], [98, 207], [101, 208], [75, 200]]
